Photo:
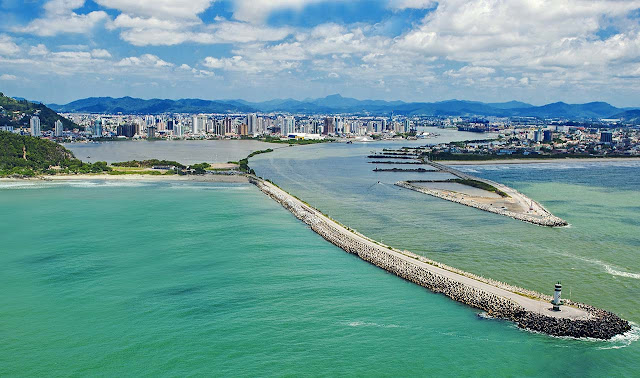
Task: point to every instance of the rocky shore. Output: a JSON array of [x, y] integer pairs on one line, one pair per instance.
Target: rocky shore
[[499, 300], [548, 220]]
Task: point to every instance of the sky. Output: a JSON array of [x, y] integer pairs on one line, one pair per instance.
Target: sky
[[537, 51]]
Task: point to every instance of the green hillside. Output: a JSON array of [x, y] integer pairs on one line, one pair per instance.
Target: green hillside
[[27, 156], [17, 114]]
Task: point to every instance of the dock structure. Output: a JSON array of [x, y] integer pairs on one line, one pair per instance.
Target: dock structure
[[528, 309]]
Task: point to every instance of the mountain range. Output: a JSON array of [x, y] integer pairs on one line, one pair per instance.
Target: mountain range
[[334, 104]]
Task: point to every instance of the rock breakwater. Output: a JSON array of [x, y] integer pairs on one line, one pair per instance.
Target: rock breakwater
[[497, 299]]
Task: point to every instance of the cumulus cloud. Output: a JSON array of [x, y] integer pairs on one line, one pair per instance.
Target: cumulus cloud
[[147, 60], [59, 18], [161, 9], [7, 46], [8, 77]]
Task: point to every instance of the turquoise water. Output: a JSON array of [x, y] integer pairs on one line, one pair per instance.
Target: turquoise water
[[178, 279]]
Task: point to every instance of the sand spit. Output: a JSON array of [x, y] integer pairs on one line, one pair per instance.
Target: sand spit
[[515, 205], [530, 310]]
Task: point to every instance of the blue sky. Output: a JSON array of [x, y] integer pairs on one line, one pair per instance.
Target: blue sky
[[537, 51]]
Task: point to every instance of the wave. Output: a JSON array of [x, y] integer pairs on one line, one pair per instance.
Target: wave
[[366, 324], [611, 269], [624, 340], [70, 183]]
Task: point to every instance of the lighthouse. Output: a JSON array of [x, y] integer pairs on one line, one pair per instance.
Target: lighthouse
[[556, 297]]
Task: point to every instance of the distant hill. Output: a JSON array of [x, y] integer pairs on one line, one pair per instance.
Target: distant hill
[[632, 116], [338, 104], [18, 113], [132, 105]]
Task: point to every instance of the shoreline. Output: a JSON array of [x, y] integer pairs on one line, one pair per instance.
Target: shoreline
[[134, 177], [535, 161]]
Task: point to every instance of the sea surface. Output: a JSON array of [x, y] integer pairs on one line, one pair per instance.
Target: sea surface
[[182, 151], [201, 279]]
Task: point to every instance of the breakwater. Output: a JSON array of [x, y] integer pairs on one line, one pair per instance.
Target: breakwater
[[528, 309], [548, 220]]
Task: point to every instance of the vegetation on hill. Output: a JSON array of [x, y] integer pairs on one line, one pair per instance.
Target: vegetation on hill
[[17, 113], [23, 155]]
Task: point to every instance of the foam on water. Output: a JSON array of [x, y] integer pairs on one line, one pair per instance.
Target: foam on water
[[370, 324], [611, 269]]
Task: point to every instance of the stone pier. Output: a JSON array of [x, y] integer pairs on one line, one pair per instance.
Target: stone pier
[[528, 309]]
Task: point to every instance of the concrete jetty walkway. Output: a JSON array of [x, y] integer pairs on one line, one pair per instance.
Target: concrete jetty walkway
[[528, 309]]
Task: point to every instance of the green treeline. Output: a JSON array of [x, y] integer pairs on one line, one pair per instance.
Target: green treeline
[[24, 155], [244, 163], [17, 113], [148, 163], [480, 185], [272, 139]]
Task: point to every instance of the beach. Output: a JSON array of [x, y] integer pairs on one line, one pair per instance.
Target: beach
[[135, 177], [536, 161]]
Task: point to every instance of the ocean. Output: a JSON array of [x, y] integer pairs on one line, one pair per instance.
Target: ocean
[[174, 278]]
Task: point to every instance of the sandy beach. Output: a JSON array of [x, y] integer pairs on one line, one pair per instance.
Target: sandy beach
[[157, 178], [536, 161]]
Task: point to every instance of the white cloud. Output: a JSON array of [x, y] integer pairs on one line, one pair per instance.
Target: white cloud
[[162, 9], [60, 18], [8, 77], [471, 71], [146, 60], [40, 49], [7, 46], [100, 53]]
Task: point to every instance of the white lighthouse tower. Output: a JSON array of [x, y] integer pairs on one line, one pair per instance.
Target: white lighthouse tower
[[556, 297]]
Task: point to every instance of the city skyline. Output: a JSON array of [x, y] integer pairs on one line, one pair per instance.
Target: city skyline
[[410, 50]]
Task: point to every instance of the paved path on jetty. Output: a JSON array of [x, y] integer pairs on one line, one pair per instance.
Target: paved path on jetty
[[530, 304]]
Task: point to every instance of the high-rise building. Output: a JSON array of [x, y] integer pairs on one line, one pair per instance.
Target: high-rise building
[[194, 124], [538, 135], [34, 123], [178, 129], [547, 136], [170, 124], [606, 137], [126, 130], [228, 126], [407, 125], [243, 129], [97, 128], [57, 128], [252, 124], [329, 126], [151, 132]]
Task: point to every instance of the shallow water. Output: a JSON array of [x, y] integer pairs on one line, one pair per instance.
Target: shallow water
[[182, 151]]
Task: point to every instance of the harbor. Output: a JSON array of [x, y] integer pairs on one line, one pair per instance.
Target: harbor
[[528, 309]]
